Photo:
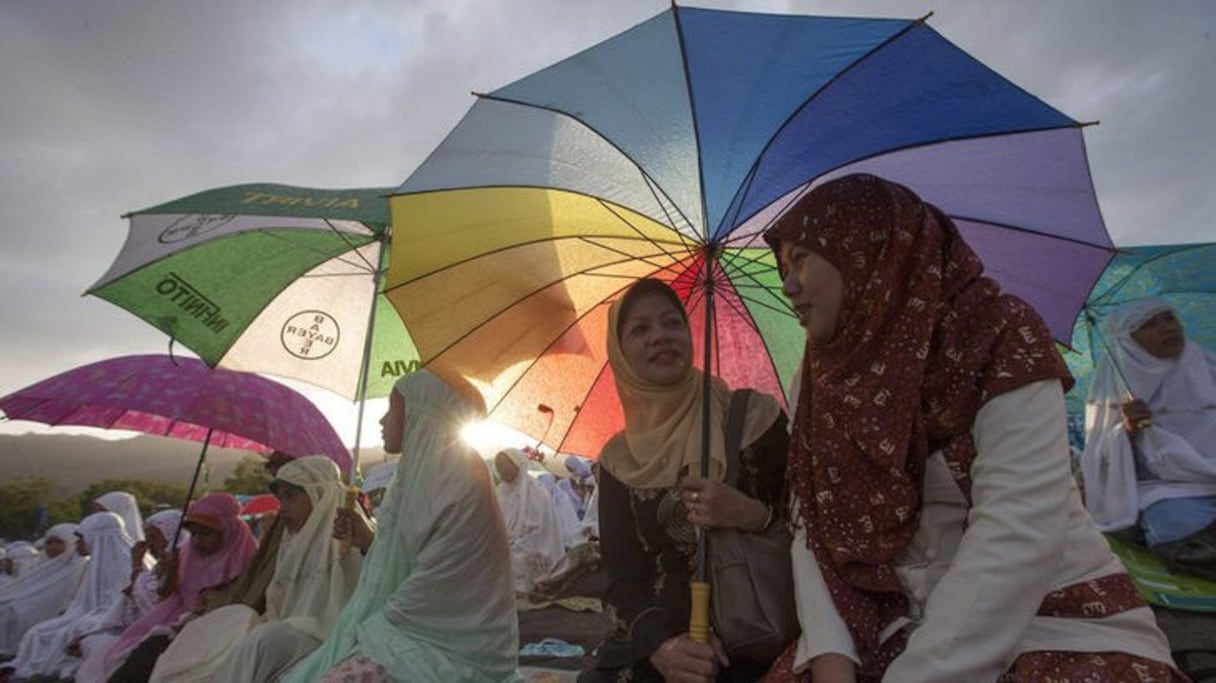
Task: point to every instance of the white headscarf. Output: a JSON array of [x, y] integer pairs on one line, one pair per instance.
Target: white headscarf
[[25, 555], [533, 528], [526, 503], [40, 593], [1181, 392], [43, 648], [561, 492], [125, 505], [1179, 447], [167, 523], [310, 578], [105, 535], [435, 600]]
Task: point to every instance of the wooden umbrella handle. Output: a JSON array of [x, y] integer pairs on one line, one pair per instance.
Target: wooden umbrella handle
[[698, 618], [352, 495]]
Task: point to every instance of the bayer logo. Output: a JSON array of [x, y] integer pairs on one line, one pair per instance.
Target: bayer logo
[[193, 225], [310, 335]]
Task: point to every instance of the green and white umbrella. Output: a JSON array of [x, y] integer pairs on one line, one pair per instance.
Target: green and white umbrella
[[269, 278]]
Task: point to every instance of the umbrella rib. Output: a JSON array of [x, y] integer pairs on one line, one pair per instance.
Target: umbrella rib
[[746, 315], [928, 143], [764, 304], [499, 250], [746, 186], [508, 306], [692, 114], [939, 141], [1031, 231], [556, 338], [636, 229], [654, 192], [634, 257], [339, 257], [590, 388], [750, 321], [751, 174], [342, 236], [310, 276], [1114, 288], [605, 138], [753, 282], [697, 295]]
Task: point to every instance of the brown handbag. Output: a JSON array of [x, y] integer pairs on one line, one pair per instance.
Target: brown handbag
[[752, 607]]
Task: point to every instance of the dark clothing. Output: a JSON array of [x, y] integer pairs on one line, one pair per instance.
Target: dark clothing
[[649, 553], [249, 588], [138, 666]]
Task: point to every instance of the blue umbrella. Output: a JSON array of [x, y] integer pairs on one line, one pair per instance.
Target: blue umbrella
[[1182, 274]]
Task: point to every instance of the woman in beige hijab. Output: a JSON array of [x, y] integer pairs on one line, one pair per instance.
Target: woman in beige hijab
[[649, 503]]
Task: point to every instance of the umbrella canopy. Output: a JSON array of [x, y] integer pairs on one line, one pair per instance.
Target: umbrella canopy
[[1182, 274], [268, 278], [664, 151], [184, 399], [260, 504]]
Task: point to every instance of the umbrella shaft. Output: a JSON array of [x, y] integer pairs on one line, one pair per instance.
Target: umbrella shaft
[[202, 457]]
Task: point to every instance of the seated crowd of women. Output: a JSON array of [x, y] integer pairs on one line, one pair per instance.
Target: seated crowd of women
[[938, 533]]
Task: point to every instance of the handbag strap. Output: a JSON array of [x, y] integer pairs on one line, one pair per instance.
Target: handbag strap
[[734, 434]]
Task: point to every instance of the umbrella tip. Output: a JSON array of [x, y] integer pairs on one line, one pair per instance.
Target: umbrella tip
[[924, 18]]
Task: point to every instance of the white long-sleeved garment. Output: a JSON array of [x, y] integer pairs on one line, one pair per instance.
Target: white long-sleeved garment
[[43, 649], [976, 574]]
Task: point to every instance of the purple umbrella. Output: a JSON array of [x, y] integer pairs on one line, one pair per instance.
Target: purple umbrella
[[185, 399]]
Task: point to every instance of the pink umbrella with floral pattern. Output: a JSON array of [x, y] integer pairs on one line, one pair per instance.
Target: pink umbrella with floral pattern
[[184, 399]]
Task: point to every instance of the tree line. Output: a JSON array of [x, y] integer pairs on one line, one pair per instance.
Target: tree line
[[30, 505]]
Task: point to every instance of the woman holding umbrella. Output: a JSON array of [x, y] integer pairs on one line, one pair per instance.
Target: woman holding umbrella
[[940, 534], [219, 549], [650, 506]]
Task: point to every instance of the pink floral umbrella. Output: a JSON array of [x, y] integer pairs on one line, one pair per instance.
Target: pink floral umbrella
[[184, 399]]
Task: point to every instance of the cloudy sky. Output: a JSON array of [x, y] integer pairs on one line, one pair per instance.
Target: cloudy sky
[[115, 105]]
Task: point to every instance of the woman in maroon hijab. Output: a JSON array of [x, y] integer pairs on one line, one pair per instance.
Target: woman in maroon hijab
[[940, 534]]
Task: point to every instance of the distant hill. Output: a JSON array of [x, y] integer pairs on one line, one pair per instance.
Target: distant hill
[[74, 462]]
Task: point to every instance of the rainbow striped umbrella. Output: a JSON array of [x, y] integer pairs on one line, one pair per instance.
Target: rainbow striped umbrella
[[664, 152]]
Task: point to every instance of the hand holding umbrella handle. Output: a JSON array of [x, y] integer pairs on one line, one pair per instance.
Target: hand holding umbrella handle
[[698, 618], [352, 495], [166, 574]]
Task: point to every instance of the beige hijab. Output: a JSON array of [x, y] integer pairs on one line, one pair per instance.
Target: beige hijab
[[662, 437]]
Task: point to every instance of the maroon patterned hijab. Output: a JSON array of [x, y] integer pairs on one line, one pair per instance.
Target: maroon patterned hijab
[[922, 341]]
